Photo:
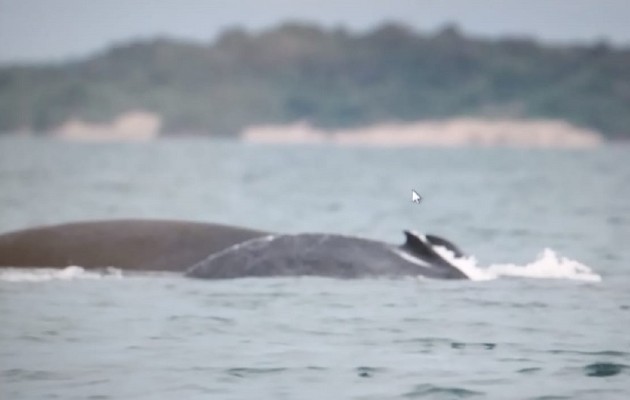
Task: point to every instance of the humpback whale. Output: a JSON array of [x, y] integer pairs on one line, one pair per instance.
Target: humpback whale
[[215, 251], [330, 256], [162, 245]]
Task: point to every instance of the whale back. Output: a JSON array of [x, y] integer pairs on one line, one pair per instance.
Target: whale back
[[325, 255], [303, 255], [169, 245]]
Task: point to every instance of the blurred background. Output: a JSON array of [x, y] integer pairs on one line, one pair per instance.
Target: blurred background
[[216, 68]]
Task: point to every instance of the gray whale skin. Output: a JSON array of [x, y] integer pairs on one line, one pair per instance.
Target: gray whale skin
[[330, 256]]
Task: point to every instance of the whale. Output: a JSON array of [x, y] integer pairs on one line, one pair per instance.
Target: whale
[[330, 255], [216, 251], [129, 244]]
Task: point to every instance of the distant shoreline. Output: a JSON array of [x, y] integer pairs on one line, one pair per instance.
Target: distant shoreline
[[144, 126], [301, 71], [455, 132]]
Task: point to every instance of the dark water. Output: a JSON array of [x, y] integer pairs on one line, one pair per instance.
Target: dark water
[[558, 331]]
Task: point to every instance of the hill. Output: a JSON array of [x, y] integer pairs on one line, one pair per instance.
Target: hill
[[329, 78]]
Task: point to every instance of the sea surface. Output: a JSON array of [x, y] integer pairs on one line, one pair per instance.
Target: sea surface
[[547, 315]]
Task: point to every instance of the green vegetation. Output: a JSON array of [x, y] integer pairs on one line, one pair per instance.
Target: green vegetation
[[330, 78]]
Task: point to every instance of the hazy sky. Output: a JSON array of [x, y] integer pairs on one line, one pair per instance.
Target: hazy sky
[[43, 30]]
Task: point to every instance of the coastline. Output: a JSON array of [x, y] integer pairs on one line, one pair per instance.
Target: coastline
[[456, 132], [141, 126]]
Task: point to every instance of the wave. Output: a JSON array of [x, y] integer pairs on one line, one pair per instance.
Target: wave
[[48, 274], [548, 265]]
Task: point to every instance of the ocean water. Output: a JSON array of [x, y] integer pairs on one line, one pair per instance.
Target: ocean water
[[546, 317]]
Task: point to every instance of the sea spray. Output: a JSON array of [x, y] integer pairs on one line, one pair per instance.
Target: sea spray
[[47, 274], [548, 265]]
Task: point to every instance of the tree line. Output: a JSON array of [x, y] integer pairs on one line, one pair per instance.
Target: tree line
[[329, 77]]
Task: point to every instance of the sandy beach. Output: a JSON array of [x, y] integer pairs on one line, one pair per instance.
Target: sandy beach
[[438, 133]]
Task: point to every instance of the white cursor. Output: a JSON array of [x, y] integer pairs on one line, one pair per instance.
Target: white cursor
[[415, 197]]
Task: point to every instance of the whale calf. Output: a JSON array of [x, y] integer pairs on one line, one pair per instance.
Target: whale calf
[[330, 256], [161, 245]]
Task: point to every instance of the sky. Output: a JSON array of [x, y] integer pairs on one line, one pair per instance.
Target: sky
[[36, 31]]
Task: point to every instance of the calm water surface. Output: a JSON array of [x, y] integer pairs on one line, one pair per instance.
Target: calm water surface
[[78, 335]]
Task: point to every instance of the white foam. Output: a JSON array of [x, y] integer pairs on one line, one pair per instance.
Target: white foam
[[48, 274], [468, 265], [548, 265]]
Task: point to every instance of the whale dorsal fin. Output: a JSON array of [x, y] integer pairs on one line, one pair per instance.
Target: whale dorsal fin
[[421, 246], [418, 244], [413, 239], [438, 241]]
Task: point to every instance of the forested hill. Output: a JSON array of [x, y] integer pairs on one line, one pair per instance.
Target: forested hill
[[331, 78]]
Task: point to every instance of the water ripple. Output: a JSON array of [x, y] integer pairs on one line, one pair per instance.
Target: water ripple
[[439, 392], [605, 353], [245, 372], [367, 372], [603, 369]]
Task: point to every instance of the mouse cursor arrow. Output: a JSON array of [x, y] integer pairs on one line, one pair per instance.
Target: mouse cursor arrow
[[415, 197]]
